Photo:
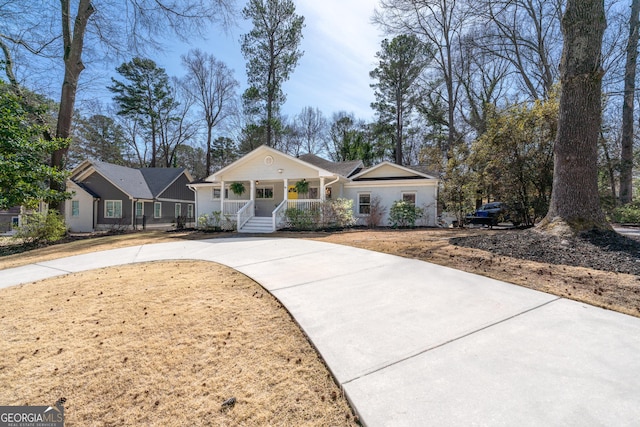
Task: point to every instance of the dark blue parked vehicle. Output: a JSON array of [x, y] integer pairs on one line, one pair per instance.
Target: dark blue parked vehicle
[[489, 214]]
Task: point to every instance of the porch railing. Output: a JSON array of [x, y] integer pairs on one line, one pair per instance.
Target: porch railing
[[245, 214], [278, 215], [307, 205], [304, 204], [232, 207]]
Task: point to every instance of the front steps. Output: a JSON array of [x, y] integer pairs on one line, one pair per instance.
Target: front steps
[[258, 224]]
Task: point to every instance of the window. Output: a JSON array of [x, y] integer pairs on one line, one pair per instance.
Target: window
[[157, 210], [313, 193], [364, 203], [113, 209], [409, 197], [178, 210], [75, 208], [216, 193], [264, 193], [189, 211], [139, 208]]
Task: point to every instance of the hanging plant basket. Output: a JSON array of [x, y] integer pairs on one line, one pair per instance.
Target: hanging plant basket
[[302, 187], [237, 188]]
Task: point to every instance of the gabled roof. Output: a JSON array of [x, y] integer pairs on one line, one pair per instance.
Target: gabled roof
[[405, 172], [159, 179], [345, 169], [141, 183], [88, 190], [265, 150], [130, 181]]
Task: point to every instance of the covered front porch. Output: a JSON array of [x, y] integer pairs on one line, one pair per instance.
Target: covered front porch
[[262, 208]]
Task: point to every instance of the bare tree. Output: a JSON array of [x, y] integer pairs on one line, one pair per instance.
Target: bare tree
[[105, 26], [575, 203], [311, 129], [439, 23], [527, 34], [626, 158], [176, 125], [213, 86]]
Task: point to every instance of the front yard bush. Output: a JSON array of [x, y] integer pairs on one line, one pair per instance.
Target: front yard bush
[[330, 214], [627, 214], [301, 219], [338, 214], [404, 214], [215, 221], [42, 228], [376, 212]]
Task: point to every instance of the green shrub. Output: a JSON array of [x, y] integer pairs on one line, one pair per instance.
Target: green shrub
[[338, 213], [42, 228], [404, 214], [210, 222], [301, 219], [627, 214]]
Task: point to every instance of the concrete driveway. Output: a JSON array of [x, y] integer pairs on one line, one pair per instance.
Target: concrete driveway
[[416, 344]]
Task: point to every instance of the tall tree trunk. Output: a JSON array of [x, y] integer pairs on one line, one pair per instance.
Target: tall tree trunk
[[209, 149], [399, 127], [73, 42], [610, 168], [626, 156], [575, 203]]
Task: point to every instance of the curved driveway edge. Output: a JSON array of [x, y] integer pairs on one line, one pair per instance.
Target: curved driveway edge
[[413, 343]]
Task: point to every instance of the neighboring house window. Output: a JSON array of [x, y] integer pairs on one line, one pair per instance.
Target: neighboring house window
[[189, 211], [409, 197], [75, 208], [15, 222], [178, 210], [113, 209], [364, 203], [216, 193], [157, 210], [139, 208], [264, 193]]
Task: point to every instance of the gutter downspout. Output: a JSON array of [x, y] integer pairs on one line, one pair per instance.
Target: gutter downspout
[[329, 184], [195, 199]]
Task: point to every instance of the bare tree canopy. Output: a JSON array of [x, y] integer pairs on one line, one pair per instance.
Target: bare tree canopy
[[101, 26], [211, 83]]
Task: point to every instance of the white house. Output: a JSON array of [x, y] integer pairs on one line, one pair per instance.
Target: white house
[[269, 179]]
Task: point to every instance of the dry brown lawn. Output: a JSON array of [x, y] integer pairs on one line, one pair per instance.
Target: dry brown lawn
[[166, 343], [162, 344]]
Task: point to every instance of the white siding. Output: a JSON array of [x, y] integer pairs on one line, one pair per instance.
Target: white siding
[[386, 171], [84, 222], [391, 191]]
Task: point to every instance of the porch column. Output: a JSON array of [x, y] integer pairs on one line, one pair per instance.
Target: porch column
[[286, 189], [253, 190], [222, 197], [322, 189]]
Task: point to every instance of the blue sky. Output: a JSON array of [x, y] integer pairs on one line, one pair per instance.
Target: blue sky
[[339, 42]]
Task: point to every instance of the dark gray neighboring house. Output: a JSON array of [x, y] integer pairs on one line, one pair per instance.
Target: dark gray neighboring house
[[108, 196]]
